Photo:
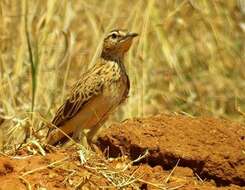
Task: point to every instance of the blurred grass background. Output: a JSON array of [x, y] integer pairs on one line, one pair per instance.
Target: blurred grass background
[[188, 59]]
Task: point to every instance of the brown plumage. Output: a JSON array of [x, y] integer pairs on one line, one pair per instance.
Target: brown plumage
[[98, 92]]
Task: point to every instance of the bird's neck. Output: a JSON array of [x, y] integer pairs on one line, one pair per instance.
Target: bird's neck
[[115, 58]]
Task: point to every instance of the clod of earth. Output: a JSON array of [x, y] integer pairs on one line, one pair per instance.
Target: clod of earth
[[212, 148]]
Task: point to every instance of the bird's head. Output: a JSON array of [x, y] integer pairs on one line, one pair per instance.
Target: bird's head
[[117, 43]]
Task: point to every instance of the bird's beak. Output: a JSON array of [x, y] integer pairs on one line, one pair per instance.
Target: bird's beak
[[131, 34], [126, 41]]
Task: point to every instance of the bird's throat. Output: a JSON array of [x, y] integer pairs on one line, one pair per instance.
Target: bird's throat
[[117, 58]]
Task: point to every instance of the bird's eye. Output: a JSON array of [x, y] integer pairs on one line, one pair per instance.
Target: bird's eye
[[113, 36]]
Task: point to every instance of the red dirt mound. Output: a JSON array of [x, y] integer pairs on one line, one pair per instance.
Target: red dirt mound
[[59, 170], [62, 170], [183, 153], [212, 148]]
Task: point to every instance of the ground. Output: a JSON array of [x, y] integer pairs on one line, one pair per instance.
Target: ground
[[158, 152]]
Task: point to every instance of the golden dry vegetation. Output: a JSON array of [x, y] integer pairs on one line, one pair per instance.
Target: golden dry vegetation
[[189, 57]]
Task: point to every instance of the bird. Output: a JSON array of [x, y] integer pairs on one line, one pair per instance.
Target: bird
[[95, 96]]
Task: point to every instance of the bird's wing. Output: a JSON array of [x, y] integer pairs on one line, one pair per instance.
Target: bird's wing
[[89, 86]]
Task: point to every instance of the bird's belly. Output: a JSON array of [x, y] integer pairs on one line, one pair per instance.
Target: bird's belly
[[98, 108]]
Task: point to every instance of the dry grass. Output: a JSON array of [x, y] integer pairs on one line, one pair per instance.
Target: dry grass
[[189, 57]]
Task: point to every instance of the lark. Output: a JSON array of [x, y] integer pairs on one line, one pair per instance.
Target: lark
[[96, 94]]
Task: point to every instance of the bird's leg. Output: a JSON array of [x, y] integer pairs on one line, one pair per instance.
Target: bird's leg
[[92, 133], [79, 136]]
